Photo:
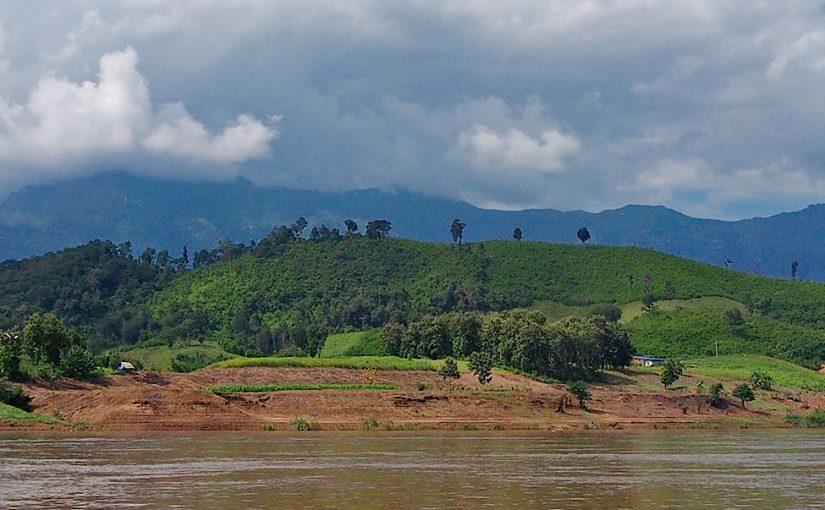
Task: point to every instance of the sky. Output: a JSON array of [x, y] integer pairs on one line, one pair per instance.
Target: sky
[[715, 109]]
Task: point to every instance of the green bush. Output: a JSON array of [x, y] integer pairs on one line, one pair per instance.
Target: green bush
[[580, 390], [761, 381], [715, 395], [303, 425], [79, 363], [815, 419]]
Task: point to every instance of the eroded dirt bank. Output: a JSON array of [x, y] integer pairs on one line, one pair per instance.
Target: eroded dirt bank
[[168, 401]]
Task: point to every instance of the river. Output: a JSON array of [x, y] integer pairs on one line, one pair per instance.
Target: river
[[658, 469]]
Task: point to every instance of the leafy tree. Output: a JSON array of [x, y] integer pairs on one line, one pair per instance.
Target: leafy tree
[[761, 381], [11, 353], [378, 229], [794, 269], [744, 393], [148, 256], [183, 261], [715, 394], [78, 362], [124, 249], [481, 365], [517, 234], [163, 259], [583, 234], [609, 311], [392, 335], [449, 370], [352, 227], [734, 318], [580, 390], [298, 227], [671, 372], [457, 231], [201, 258], [46, 339]]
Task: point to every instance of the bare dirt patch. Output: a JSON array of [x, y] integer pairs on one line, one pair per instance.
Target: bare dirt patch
[[166, 401]]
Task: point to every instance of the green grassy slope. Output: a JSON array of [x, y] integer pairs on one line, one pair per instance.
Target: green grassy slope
[[160, 358], [357, 362], [359, 282], [355, 343], [11, 414], [696, 332], [740, 368]]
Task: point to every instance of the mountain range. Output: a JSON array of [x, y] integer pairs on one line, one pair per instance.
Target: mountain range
[[169, 214]]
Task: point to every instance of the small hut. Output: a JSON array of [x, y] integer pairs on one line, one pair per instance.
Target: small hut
[[648, 361], [126, 368]]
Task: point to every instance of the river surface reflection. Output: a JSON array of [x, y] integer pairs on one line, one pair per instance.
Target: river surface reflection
[[660, 469]]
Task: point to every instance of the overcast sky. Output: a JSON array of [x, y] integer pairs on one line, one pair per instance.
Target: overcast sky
[[716, 109]]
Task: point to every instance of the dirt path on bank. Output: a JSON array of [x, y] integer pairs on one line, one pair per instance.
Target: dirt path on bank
[[168, 401]]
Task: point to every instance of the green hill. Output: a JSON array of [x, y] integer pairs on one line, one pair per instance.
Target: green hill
[[291, 300], [288, 295]]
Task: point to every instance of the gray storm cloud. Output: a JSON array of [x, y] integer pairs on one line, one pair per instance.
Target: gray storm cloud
[[712, 108]]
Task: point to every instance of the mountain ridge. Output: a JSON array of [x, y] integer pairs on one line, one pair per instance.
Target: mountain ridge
[[169, 214]]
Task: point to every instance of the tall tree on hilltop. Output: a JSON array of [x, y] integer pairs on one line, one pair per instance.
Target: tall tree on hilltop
[[352, 227], [378, 229], [457, 231], [794, 269], [583, 234], [517, 234], [298, 227]]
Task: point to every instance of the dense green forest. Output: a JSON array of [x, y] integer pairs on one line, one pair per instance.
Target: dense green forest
[[288, 292]]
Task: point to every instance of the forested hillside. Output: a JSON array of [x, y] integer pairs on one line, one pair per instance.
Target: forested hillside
[[286, 293]]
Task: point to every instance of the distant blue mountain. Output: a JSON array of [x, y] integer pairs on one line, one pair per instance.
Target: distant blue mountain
[[170, 214]]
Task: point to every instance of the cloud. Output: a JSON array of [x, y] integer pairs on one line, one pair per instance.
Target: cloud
[[70, 125], [486, 149], [542, 103], [177, 133]]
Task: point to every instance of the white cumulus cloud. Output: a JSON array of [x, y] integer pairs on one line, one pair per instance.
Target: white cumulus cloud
[[66, 125], [513, 149]]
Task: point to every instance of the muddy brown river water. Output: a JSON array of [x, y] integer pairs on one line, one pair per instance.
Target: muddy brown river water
[[658, 469]]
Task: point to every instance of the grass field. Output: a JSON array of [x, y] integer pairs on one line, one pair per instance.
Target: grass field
[[554, 311], [633, 310], [14, 415], [740, 368], [356, 343], [160, 358], [360, 362], [263, 388]]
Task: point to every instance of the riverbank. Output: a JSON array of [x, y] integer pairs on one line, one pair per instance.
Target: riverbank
[[419, 400]]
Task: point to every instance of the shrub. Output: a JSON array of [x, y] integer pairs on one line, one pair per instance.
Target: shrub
[[449, 370], [816, 419], [744, 393], [609, 311], [303, 425], [78, 362], [671, 372], [761, 381], [481, 366], [579, 390], [715, 395]]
